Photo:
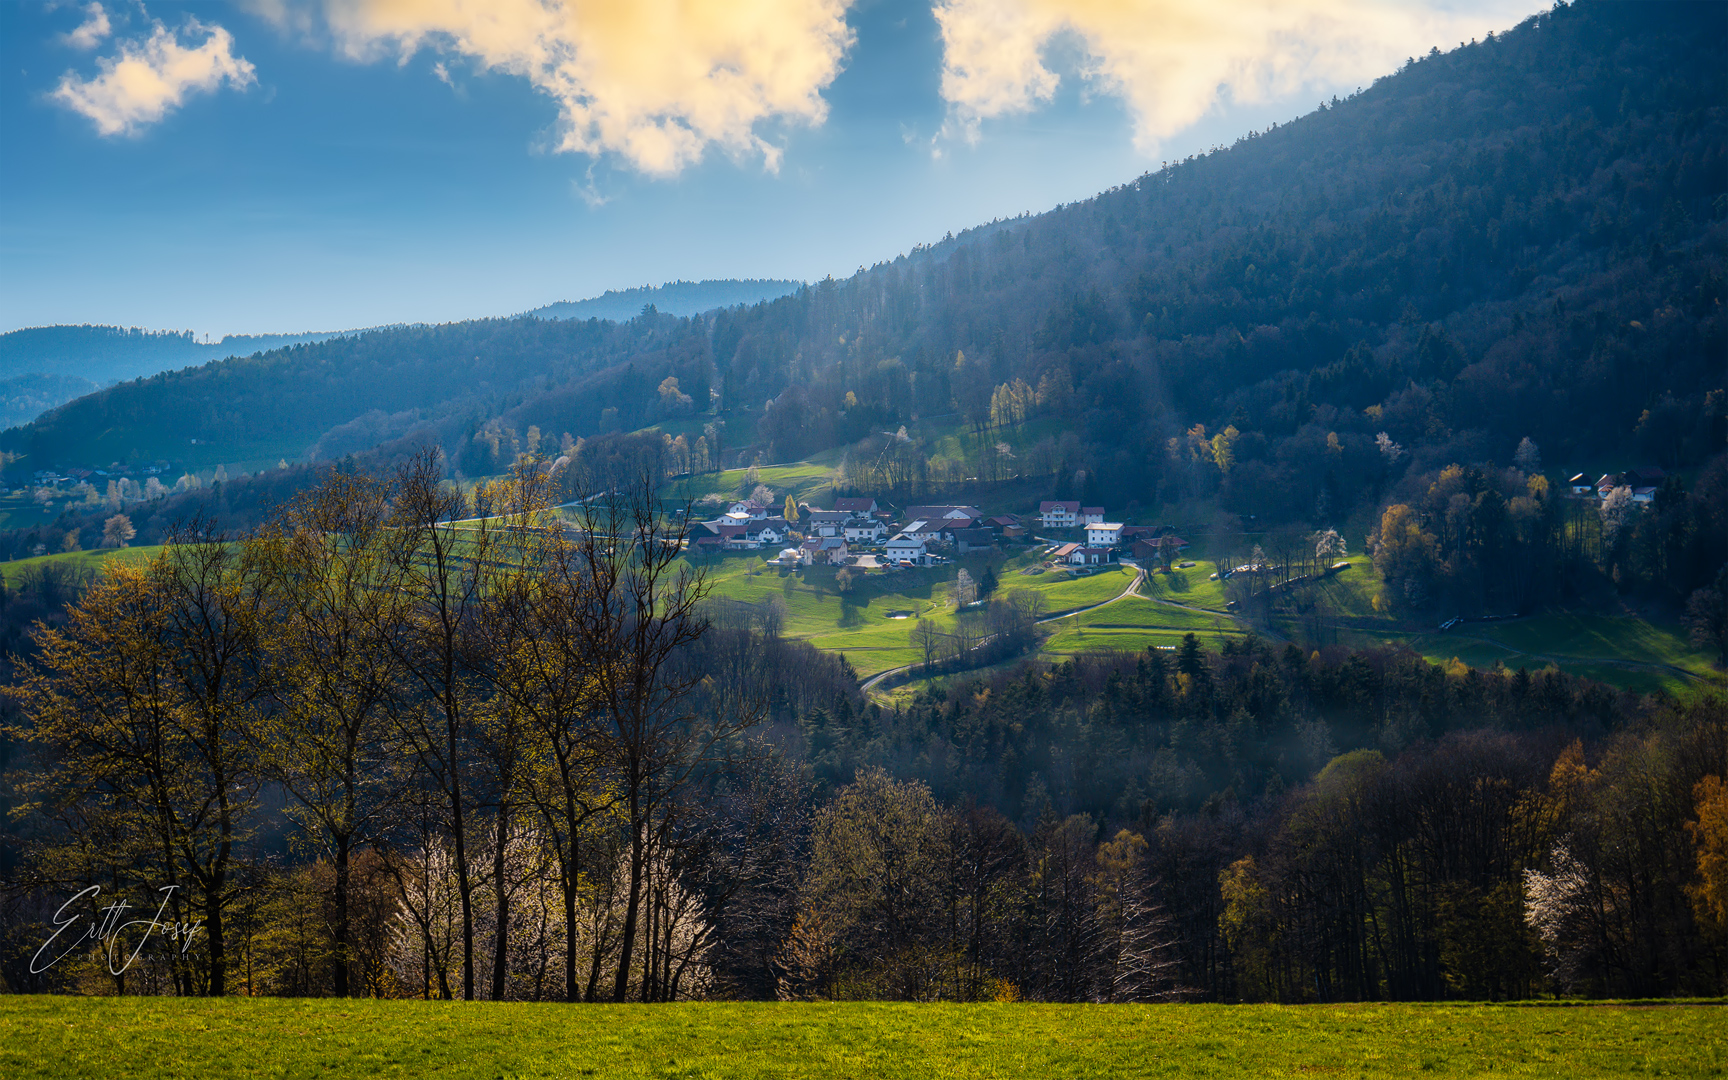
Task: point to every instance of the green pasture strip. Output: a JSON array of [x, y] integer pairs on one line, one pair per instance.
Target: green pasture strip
[[15, 571], [1137, 612], [800, 479], [1065, 592], [67, 1038], [1350, 592], [1597, 637], [1631, 657], [1067, 642], [1191, 586], [855, 622]]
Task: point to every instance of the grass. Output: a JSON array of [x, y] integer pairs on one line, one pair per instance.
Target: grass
[[1627, 651], [115, 1038], [15, 571], [1062, 591], [857, 622], [1190, 586], [1133, 624], [802, 480]]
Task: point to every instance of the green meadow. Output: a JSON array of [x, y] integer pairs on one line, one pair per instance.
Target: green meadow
[[1135, 623], [1628, 651], [19, 570], [861, 621], [66, 1038]]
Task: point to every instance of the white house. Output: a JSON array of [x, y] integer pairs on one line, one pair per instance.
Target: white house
[[865, 532], [1103, 533], [1058, 514], [1091, 556], [906, 546], [749, 508], [1092, 515]]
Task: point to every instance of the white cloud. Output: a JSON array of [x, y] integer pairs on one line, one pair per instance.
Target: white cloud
[[91, 31], [1171, 61], [148, 78], [655, 81]]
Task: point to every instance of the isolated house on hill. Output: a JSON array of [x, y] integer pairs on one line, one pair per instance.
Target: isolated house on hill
[[1646, 476]]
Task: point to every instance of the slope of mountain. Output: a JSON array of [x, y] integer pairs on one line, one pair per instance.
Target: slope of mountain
[[1522, 238], [25, 397], [672, 298], [104, 354]]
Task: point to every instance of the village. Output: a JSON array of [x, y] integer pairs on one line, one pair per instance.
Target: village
[[860, 533]]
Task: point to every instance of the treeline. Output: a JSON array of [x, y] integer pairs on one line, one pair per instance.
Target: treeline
[[1481, 834]]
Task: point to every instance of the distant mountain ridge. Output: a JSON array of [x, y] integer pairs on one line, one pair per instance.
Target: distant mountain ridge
[[673, 298], [42, 367], [104, 354]]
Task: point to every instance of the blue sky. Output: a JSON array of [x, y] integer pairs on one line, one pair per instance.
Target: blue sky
[[279, 165]]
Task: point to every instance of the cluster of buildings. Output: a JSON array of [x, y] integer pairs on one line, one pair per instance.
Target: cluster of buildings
[[1105, 540], [922, 535], [1643, 481]]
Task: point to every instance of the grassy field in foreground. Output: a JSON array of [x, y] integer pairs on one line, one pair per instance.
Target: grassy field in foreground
[[114, 1038]]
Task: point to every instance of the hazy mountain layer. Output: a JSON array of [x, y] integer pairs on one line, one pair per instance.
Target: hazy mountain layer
[[673, 298], [105, 354]]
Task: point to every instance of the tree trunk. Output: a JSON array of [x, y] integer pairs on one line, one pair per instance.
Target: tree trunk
[[213, 933], [632, 908], [501, 896], [463, 885], [339, 968]]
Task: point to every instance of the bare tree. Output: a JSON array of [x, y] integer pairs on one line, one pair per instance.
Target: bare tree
[[333, 598], [644, 604]]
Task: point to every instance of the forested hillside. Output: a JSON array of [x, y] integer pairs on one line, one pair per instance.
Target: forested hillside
[[1516, 243]]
